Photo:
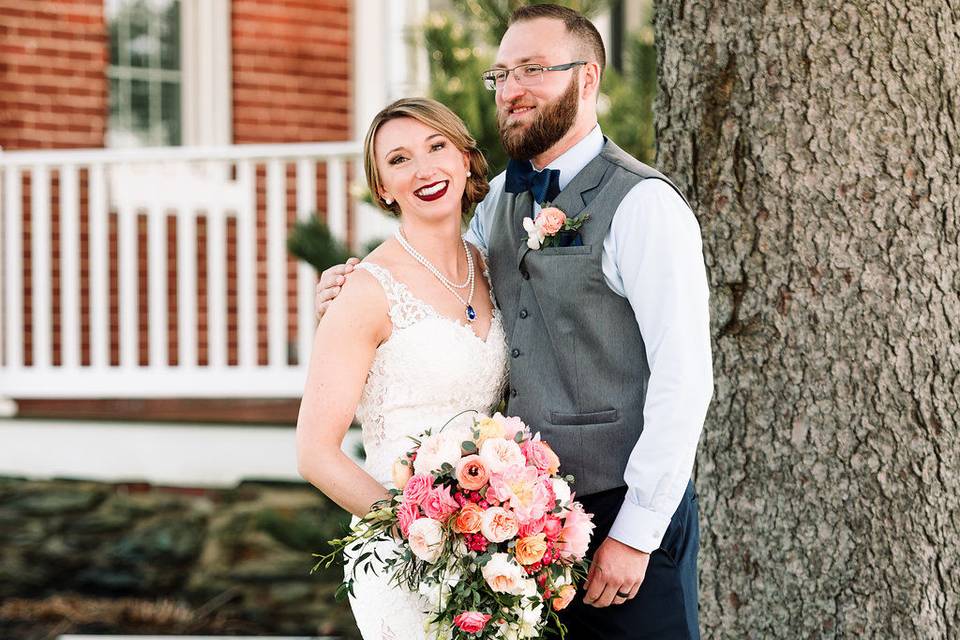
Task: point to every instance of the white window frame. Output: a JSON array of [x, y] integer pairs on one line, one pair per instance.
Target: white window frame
[[206, 113], [206, 94]]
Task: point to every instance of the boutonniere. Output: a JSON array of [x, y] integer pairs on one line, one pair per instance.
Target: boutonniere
[[549, 227]]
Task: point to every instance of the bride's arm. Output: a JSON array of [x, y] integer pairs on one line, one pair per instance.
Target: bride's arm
[[343, 349]]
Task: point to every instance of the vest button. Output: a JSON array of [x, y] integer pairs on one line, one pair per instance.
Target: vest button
[[525, 274], [523, 313], [513, 392], [515, 353]]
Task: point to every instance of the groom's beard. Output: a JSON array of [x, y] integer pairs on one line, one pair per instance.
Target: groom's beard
[[547, 128]]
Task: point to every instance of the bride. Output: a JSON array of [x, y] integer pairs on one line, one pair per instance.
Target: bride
[[413, 338]]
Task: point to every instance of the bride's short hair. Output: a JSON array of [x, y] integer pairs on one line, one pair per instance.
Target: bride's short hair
[[437, 116]]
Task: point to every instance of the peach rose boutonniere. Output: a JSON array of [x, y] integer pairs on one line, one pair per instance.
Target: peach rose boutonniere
[[551, 227]]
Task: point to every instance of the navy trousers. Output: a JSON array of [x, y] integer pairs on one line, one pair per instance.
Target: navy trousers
[[666, 606]]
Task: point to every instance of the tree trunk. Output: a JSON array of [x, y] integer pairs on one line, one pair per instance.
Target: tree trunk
[[820, 142]]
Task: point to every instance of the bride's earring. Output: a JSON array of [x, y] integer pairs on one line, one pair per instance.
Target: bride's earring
[[389, 201], [468, 173]]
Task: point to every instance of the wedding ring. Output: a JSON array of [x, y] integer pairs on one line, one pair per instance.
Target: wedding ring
[[623, 595]]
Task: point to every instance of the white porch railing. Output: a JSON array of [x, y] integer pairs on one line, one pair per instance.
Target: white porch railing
[[161, 272]]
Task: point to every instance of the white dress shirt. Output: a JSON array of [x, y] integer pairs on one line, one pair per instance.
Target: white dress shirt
[[652, 256]]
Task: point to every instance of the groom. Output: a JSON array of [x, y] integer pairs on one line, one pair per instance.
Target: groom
[[609, 335]]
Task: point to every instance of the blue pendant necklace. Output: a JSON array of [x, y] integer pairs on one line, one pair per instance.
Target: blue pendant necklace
[[451, 286]]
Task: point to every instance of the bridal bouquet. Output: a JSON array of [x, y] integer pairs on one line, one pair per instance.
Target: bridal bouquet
[[488, 531]]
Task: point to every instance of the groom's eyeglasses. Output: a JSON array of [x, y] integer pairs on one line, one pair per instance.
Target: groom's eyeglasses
[[524, 74]]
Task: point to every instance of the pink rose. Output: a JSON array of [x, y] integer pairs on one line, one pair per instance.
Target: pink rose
[[511, 426], [532, 527], [530, 494], [439, 504], [471, 621], [418, 487], [472, 474], [575, 536], [406, 514], [551, 220], [553, 527], [498, 524], [539, 454]]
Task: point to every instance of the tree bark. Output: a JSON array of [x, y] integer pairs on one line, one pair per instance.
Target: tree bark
[[820, 144]]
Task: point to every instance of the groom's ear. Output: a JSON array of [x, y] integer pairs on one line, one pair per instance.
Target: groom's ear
[[591, 79]]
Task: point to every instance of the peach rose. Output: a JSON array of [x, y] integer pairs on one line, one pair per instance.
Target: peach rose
[[530, 549], [497, 524], [402, 472], [503, 575], [551, 220], [472, 473], [417, 488], [468, 518], [426, 539], [539, 454], [563, 597]]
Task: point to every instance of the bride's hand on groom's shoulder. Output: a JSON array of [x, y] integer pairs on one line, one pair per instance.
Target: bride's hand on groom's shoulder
[[329, 286], [616, 573]]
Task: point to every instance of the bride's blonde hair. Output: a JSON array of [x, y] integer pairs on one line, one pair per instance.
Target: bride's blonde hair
[[439, 117]]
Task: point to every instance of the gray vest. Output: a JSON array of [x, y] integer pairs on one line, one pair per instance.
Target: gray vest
[[578, 367]]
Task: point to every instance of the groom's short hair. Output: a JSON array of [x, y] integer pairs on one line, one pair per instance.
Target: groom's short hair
[[576, 23]]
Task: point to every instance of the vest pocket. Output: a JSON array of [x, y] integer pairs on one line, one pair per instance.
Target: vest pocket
[[596, 417], [554, 251]]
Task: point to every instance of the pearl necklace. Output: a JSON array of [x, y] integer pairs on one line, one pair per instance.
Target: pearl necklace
[[451, 287]]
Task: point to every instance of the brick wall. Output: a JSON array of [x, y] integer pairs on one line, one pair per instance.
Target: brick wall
[[53, 87], [291, 83], [291, 74]]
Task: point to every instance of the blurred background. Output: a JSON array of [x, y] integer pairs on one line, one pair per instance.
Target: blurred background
[[173, 174]]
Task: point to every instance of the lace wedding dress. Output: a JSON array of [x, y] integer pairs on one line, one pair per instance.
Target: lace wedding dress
[[429, 370]]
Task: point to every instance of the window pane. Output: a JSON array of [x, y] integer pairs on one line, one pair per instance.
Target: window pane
[[140, 106], [114, 27], [142, 45], [116, 116], [168, 21], [144, 72], [170, 113]]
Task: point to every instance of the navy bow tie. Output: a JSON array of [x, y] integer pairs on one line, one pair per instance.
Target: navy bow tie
[[521, 176]]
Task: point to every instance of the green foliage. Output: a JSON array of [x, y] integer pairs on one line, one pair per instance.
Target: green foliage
[[494, 15], [462, 45], [455, 68], [311, 241]]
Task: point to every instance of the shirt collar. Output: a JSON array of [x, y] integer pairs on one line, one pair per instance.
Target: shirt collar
[[573, 160]]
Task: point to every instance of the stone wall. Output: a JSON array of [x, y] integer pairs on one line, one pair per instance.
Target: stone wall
[[83, 557]]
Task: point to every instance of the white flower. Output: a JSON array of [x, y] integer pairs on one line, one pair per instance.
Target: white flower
[[535, 233], [504, 575], [436, 450], [530, 620], [426, 539], [498, 454], [562, 490]]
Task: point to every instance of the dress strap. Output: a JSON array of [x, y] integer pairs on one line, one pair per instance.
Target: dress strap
[[405, 309]]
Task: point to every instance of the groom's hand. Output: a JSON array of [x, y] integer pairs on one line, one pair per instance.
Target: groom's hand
[[329, 285], [615, 568]]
